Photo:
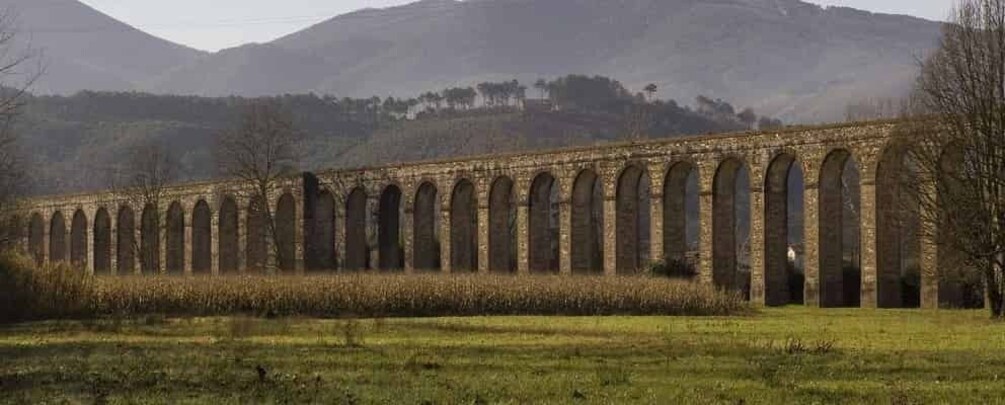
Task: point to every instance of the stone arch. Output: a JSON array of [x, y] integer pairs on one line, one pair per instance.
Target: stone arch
[[175, 239], [680, 213], [78, 240], [898, 268], [202, 238], [256, 243], [587, 223], [102, 242], [502, 226], [150, 239], [36, 238], [959, 286], [286, 234], [320, 241], [229, 239], [391, 254], [783, 218], [632, 200], [425, 224], [543, 208], [464, 227], [57, 238], [126, 247], [357, 254], [840, 275], [730, 214]]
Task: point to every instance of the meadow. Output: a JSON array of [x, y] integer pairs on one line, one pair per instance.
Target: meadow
[[372, 338], [789, 355]]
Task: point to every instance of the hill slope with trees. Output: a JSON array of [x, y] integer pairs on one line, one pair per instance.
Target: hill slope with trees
[[80, 142]]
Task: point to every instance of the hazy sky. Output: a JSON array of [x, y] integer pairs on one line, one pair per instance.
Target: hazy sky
[[215, 24]]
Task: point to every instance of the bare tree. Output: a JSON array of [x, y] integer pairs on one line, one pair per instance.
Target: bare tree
[[142, 182], [19, 69], [261, 150], [958, 149]]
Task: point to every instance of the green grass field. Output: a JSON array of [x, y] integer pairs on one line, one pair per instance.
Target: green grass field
[[791, 355]]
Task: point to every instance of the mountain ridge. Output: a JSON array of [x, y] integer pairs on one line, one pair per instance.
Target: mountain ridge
[[82, 48], [786, 58]]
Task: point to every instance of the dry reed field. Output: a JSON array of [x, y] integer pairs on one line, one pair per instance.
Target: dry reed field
[[50, 292]]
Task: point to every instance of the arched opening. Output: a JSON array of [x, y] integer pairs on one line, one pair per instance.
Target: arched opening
[[175, 239], [633, 220], [839, 229], [126, 247], [389, 232], [502, 227], [256, 245], [202, 238], [150, 239], [588, 224], [102, 242], [425, 224], [464, 228], [681, 219], [784, 276], [57, 238], [959, 284], [544, 219], [898, 228], [229, 237], [286, 237], [36, 238], [320, 255], [357, 255], [78, 240], [731, 227], [13, 231]]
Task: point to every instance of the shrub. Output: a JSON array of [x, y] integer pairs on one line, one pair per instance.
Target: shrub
[[383, 295], [32, 292], [56, 292]]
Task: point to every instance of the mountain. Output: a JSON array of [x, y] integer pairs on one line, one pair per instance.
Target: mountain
[[81, 48], [785, 58]]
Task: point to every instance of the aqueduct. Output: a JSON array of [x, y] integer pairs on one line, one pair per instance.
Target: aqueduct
[[823, 193]]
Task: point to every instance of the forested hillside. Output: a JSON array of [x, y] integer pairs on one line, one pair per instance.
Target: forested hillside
[[80, 142]]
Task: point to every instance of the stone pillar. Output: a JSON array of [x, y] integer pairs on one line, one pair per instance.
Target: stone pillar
[[373, 228], [811, 242], [137, 244], [657, 186], [758, 269], [408, 234], [483, 236], [705, 235], [656, 249], [113, 243], [89, 242], [929, 253], [610, 232], [298, 234], [187, 245], [446, 257], [565, 236], [46, 234], [340, 228], [242, 239], [869, 243], [522, 237], [162, 230], [214, 242]]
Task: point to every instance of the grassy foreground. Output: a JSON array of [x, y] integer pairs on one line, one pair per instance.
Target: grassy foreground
[[791, 355]]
